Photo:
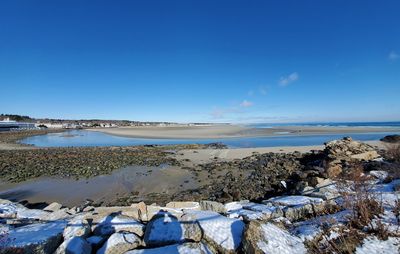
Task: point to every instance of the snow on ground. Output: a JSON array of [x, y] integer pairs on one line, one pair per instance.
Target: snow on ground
[[309, 229], [376, 246], [279, 241]]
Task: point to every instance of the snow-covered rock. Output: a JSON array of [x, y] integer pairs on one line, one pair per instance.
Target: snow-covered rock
[[166, 229], [10, 210], [267, 238], [374, 245], [95, 241], [77, 227], [60, 215], [34, 238], [379, 174], [119, 243], [74, 245], [34, 214], [293, 200], [186, 248], [116, 223], [221, 232]]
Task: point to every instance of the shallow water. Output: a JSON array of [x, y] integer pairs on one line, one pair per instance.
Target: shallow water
[[92, 138], [70, 192]]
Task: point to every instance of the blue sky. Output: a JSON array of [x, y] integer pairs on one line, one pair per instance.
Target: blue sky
[[206, 61]]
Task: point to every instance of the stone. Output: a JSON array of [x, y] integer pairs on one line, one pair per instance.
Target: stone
[[298, 207], [334, 170], [379, 174], [10, 210], [60, 215], [213, 206], [117, 223], [96, 241], [74, 245], [152, 211], [78, 226], [267, 238], [222, 233], [34, 238], [119, 243], [186, 248], [184, 205], [53, 207], [166, 229], [89, 209], [34, 214]]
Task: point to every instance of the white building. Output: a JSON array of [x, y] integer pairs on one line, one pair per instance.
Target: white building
[[7, 125]]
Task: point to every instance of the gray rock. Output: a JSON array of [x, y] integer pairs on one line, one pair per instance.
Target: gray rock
[[34, 214], [119, 243], [34, 238], [74, 245], [183, 205], [212, 206], [96, 241]]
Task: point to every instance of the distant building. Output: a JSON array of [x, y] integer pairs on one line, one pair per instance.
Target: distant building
[[8, 125]]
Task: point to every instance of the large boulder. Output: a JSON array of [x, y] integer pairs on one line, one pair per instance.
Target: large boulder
[[166, 229], [78, 226], [186, 248], [267, 238], [34, 214], [53, 207], [298, 207], [34, 238], [224, 234], [348, 149], [183, 205], [74, 245], [119, 243], [117, 223], [212, 206]]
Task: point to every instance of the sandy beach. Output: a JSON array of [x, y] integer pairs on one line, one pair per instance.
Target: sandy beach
[[231, 131]]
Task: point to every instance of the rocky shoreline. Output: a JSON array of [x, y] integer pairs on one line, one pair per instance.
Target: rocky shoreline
[[344, 199]]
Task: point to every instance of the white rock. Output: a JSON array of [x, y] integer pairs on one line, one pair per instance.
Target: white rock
[[221, 232], [74, 245], [379, 174], [53, 207], [186, 248], [116, 223], [35, 238], [119, 243], [212, 206]]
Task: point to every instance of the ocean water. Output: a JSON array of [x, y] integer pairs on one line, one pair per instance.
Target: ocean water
[[82, 138], [330, 124]]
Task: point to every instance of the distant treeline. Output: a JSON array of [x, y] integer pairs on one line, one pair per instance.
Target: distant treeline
[[17, 118]]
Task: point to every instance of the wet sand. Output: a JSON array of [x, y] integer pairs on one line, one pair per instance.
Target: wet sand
[[133, 180], [231, 131]]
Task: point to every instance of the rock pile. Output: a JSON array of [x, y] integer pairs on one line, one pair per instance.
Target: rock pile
[[282, 224]]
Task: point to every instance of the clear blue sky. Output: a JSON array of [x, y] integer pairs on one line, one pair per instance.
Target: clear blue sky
[[217, 61]]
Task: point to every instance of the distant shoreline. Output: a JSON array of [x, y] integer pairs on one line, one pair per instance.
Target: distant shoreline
[[232, 131]]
